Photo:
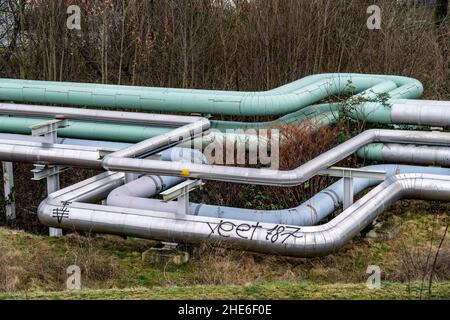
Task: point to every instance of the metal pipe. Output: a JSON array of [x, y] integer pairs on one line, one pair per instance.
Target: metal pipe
[[136, 195], [130, 194], [164, 141], [283, 100], [78, 129], [269, 176], [396, 111], [44, 153], [97, 115], [421, 112], [63, 210], [430, 155], [120, 132], [107, 145]]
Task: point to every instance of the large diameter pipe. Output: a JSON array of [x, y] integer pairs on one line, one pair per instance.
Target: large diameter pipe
[[97, 115], [123, 133], [164, 141], [421, 112], [78, 129], [101, 145], [44, 153], [261, 237], [326, 113], [284, 100], [130, 194], [137, 193], [265, 176], [134, 127], [430, 155]]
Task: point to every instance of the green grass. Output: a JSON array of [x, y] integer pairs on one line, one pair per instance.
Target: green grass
[[34, 266], [271, 291]]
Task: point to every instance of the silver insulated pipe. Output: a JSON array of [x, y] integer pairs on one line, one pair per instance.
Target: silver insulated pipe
[[63, 209]]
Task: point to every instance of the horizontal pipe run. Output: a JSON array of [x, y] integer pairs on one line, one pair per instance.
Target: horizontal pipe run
[[122, 133], [137, 193], [149, 119], [103, 145], [55, 211], [430, 155], [421, 112], [44, 153], [265, 176], [79, 129], [130, 127], [164, 141], [283, 100]]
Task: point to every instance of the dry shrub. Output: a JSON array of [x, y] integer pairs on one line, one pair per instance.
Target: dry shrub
[[299, 145], [416, 264], [216, 265], [251, 45], [43, 265]]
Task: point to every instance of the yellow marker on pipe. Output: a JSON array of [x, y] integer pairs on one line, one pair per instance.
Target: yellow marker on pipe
[[185, 172]]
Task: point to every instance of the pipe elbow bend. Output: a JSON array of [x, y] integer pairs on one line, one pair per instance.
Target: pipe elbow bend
[[44, 212]]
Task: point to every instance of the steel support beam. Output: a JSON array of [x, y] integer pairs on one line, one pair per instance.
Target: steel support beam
[[181, 193], [349, 174], [49, 131], [8, 185]]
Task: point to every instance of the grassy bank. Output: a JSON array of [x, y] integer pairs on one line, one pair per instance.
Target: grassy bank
[[404, 246], [276, 290]]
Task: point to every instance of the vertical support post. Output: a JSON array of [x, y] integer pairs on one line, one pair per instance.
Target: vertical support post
[[348, 174], [8, 185], [52, 186], [49, 131], [348, 192], [53, 181], [183, 204], [131, 177], [181, 193]]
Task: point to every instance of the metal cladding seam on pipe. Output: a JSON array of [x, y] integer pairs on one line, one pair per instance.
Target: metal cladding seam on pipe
[[261, 237], [44, 153], [421, 112], [265, 176], [283, 100]]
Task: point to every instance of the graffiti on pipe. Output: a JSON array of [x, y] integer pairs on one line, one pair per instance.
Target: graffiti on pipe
[[277, 234], [61, 213]]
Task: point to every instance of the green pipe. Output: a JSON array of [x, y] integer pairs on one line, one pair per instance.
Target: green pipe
[[371, 151], [322, 114], [85, 130], [280, 101], [371, 112], [116, 132]]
